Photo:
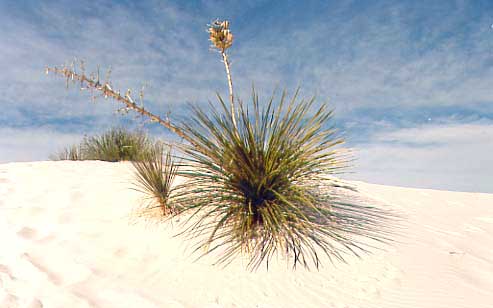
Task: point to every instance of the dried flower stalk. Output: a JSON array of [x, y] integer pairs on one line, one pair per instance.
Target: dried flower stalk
[[220, 35], [107, 91], [222, 38]]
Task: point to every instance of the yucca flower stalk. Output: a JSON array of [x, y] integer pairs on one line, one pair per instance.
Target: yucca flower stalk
[[93, 84], [222, 38]]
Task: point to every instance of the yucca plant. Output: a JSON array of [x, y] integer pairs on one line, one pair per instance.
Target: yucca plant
[[258, 175], [117, 144], [264, 187], [155, 172]]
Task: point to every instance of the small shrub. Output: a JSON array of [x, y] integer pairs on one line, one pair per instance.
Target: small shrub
[[117, 144], [73, 152], [155, 173], [262, 187]]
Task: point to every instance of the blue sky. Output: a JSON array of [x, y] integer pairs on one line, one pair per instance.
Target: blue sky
[[411, 81]]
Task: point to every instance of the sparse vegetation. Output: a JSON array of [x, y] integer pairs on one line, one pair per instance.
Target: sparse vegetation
[[117, 144], [154, 167], [155, 173], [257, 175], [73, 152]]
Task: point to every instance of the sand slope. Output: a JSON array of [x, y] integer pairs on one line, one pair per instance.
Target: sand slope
[[70, 238]]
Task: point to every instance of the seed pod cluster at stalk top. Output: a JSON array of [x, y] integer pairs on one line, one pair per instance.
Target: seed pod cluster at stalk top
[[220, 35]]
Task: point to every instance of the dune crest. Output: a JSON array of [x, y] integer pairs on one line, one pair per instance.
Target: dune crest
[[70, 238]]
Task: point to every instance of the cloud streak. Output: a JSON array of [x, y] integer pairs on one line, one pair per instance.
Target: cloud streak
[[450, 157]]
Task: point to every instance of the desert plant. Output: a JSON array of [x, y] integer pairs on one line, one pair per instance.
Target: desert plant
[[264, 188], [155, 172], [73, 152], [258, 177], [117, 144]]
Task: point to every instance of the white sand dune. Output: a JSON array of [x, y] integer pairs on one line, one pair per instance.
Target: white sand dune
[[70, 237]]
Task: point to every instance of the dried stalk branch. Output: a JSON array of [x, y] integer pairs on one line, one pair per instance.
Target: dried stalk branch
[[107, 91]]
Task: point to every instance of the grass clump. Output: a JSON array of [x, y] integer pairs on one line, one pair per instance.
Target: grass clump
[[73, 152], [155, 172], [117, 144]]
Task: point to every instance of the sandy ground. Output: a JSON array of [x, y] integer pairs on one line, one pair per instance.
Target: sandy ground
[[70, 237]]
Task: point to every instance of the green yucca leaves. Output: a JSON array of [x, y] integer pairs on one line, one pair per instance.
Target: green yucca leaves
[[155, 172], [263, 187]]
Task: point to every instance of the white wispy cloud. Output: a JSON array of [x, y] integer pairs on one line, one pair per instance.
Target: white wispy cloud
[[448, 156], [170, 57], [397, 56], [375, 56]]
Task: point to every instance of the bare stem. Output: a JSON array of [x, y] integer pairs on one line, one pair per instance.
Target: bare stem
[[230, 85], [107, 91]]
